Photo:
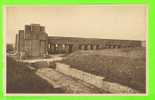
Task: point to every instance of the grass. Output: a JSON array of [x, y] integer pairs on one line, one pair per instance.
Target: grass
[[21, 79], [124, 66]]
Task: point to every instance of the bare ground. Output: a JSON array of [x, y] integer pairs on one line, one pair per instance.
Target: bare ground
[[67, 83]]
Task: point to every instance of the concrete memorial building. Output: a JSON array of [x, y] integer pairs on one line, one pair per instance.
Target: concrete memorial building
[[35, 42], [32, 42]]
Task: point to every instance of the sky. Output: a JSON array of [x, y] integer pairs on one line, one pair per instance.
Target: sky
[[127, 22]]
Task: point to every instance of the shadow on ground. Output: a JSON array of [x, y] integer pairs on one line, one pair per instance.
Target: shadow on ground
[[20, 79]]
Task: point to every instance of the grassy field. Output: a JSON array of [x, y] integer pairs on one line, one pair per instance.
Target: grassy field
[[20, 79], [124, 66]]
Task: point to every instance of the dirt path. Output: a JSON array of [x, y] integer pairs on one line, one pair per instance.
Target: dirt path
[[39, 60], [69, 84]]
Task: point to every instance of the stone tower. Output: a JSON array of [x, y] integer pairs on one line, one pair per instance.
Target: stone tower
[[32, 41]]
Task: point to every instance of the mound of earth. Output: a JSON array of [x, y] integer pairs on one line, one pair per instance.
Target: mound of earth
[[125, 66]]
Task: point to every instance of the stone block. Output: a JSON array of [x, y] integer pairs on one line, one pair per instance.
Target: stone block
[[42, 28], [35, 27], [27, 28]]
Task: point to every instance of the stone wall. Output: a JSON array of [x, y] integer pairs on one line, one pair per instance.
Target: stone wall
[[97, 81], [70, 44], [87, 77]]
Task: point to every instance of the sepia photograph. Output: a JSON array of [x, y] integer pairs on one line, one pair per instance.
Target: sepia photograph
[[76, 50]]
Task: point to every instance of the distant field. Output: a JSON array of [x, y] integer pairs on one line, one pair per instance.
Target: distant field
[[125, 66], [20, 79]]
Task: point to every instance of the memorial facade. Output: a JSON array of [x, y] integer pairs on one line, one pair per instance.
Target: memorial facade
[[33, 41]]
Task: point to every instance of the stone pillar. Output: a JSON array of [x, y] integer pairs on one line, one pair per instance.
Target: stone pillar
[[94, 47], [35, 48], [70, 48], [89, 47], [86, 47], [42, 47], [52, 48], [82, 47], [63, 48], [97, 47], [66, 49], [21, 40], [79, 47], [27, 28], [17, 43]]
